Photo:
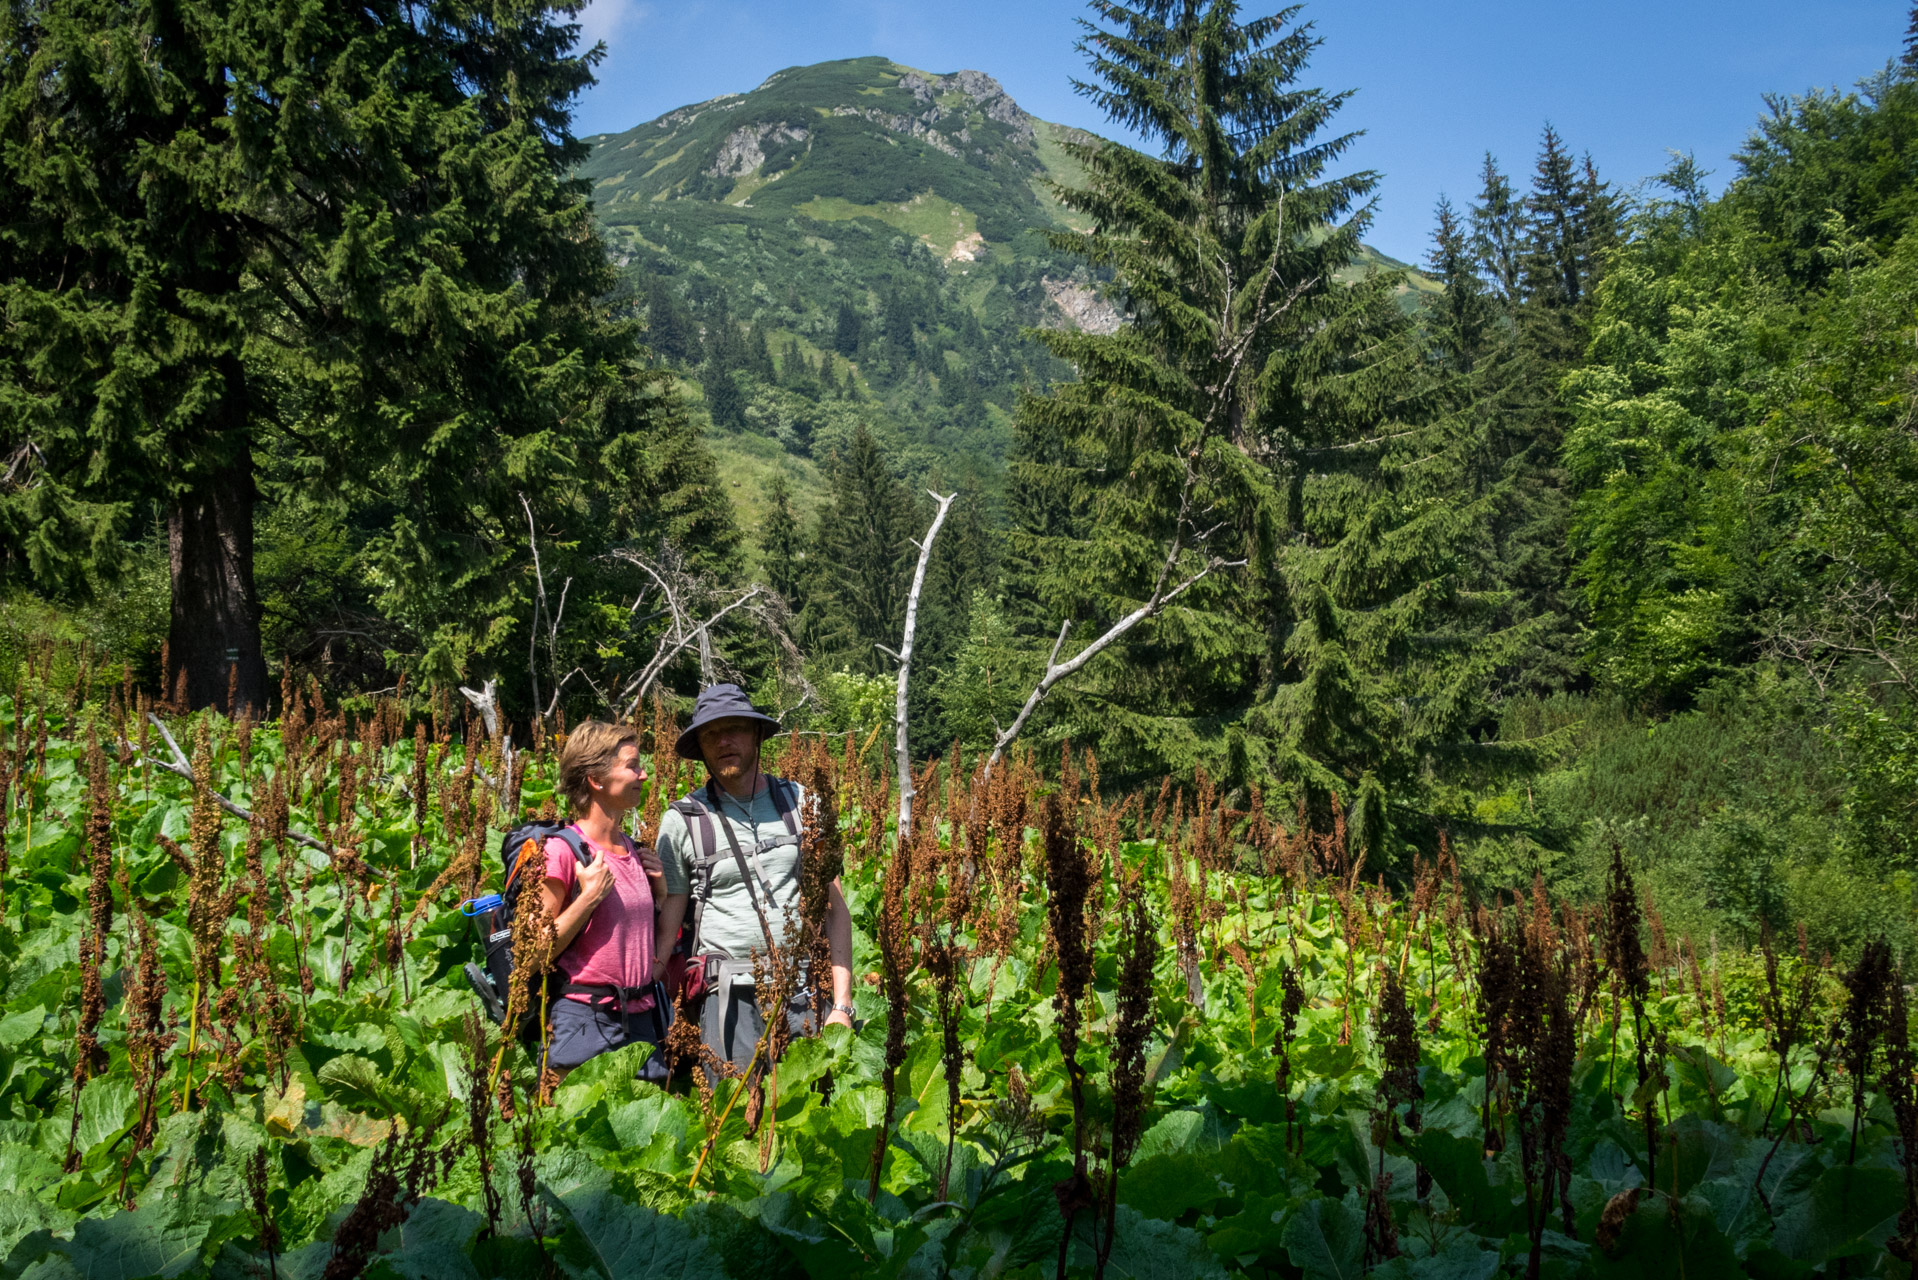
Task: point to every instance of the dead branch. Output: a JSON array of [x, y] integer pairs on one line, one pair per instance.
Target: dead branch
[[904, 759], [179, 767], [675, 585], [1057, 671]]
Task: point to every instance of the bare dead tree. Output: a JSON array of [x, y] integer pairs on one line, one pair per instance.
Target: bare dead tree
[[683, 596], [554, 617], [1863, 618], [904, 658], [485, 700]]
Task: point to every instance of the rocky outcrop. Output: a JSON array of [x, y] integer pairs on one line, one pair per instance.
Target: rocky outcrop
[[981, 89], [946, 126], [911, 126], [967, 248], [1082, 307], [692, 112], [744, 148]]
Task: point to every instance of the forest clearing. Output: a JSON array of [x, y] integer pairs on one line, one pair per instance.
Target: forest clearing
[[1150, 1036], [1297, 765]]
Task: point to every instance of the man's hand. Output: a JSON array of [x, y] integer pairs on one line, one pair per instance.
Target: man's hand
[[595, 882], [839, 1017]]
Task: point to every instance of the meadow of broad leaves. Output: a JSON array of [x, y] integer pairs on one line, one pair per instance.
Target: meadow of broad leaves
[[1185, 1039]]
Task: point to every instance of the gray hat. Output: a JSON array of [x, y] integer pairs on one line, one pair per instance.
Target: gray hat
[[721, 702]]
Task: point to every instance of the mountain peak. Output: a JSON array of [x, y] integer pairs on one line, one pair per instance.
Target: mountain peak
[[865, 134]]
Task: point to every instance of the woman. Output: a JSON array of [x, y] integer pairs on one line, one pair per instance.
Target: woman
[[602, 911]]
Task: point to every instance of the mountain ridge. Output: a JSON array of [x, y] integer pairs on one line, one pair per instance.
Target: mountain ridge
[[966, 116], [851, 244]]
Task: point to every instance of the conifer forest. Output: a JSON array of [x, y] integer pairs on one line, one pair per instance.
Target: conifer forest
[[1336, 767]]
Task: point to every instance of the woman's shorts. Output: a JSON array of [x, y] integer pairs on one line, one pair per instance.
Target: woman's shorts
[[577, 1031]]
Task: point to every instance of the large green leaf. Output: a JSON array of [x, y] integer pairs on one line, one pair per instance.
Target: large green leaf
[[435, 1241], [1847, 1212], [1196, 1129], [1462, 1259], [1256, 1231], [17, 1029], [357, 1082], [1148, 1249], [148, 1242], [1167, 1185], [106, 1110], [21, 1215], [1667, 1240], [652, 1118], [1325, 1239], [617, 1240], [1459, 1167], [1694, 1149], [805, 1060], [26, 1169]]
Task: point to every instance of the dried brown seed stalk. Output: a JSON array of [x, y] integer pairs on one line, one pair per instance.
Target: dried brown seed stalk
[[404, 1169]]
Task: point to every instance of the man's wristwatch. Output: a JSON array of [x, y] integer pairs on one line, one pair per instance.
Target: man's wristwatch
[[843, 1008]]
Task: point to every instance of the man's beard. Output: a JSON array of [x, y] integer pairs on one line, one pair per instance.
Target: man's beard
[[730, 772]]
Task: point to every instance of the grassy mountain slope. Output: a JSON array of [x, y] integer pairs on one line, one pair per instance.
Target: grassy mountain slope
[[855, 241]]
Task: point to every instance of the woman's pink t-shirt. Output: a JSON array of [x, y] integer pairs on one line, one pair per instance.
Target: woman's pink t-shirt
[[615, 946]]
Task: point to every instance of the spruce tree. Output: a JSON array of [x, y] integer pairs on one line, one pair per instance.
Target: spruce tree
[[1564, 228], [724, 400], [759, 357], [248, 249], [1463, 321], [1599, 215], [1552, 264], [1198, 429], [848, 330], [862, 562], [780, 544], [1259, 419], [669, 330], [1498, 231]]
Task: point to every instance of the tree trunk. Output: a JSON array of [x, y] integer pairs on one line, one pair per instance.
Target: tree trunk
[[214, 635]]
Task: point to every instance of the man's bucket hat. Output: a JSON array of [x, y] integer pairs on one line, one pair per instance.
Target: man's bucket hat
[[721, 702]]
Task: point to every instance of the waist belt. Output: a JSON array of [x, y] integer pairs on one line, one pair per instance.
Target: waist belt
[[621, 997], [724, 971]]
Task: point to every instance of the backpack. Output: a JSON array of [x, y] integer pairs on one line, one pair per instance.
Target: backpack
[[493, 915], [687, 968]]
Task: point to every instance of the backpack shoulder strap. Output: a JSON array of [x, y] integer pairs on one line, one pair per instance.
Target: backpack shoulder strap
[[537, 834], [699, 825], [573, 840], [785, 794], [568, 836]]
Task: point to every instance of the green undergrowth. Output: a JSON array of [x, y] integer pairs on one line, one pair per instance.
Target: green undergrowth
[[308, 1114]]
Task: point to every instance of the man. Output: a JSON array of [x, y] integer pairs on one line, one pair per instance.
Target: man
[[731, 852]]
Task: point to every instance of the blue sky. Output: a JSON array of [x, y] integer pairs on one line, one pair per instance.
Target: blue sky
[[1438, 83]]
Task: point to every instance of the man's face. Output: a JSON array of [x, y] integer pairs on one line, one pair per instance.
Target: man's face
[[731, 747]]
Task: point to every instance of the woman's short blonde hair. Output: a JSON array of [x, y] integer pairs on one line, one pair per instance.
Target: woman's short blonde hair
[[591, 750]]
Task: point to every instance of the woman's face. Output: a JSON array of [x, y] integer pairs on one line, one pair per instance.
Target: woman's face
[[620, 787]]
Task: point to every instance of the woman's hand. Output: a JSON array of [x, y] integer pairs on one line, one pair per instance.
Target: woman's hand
[[655, 870], [595, 882]]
